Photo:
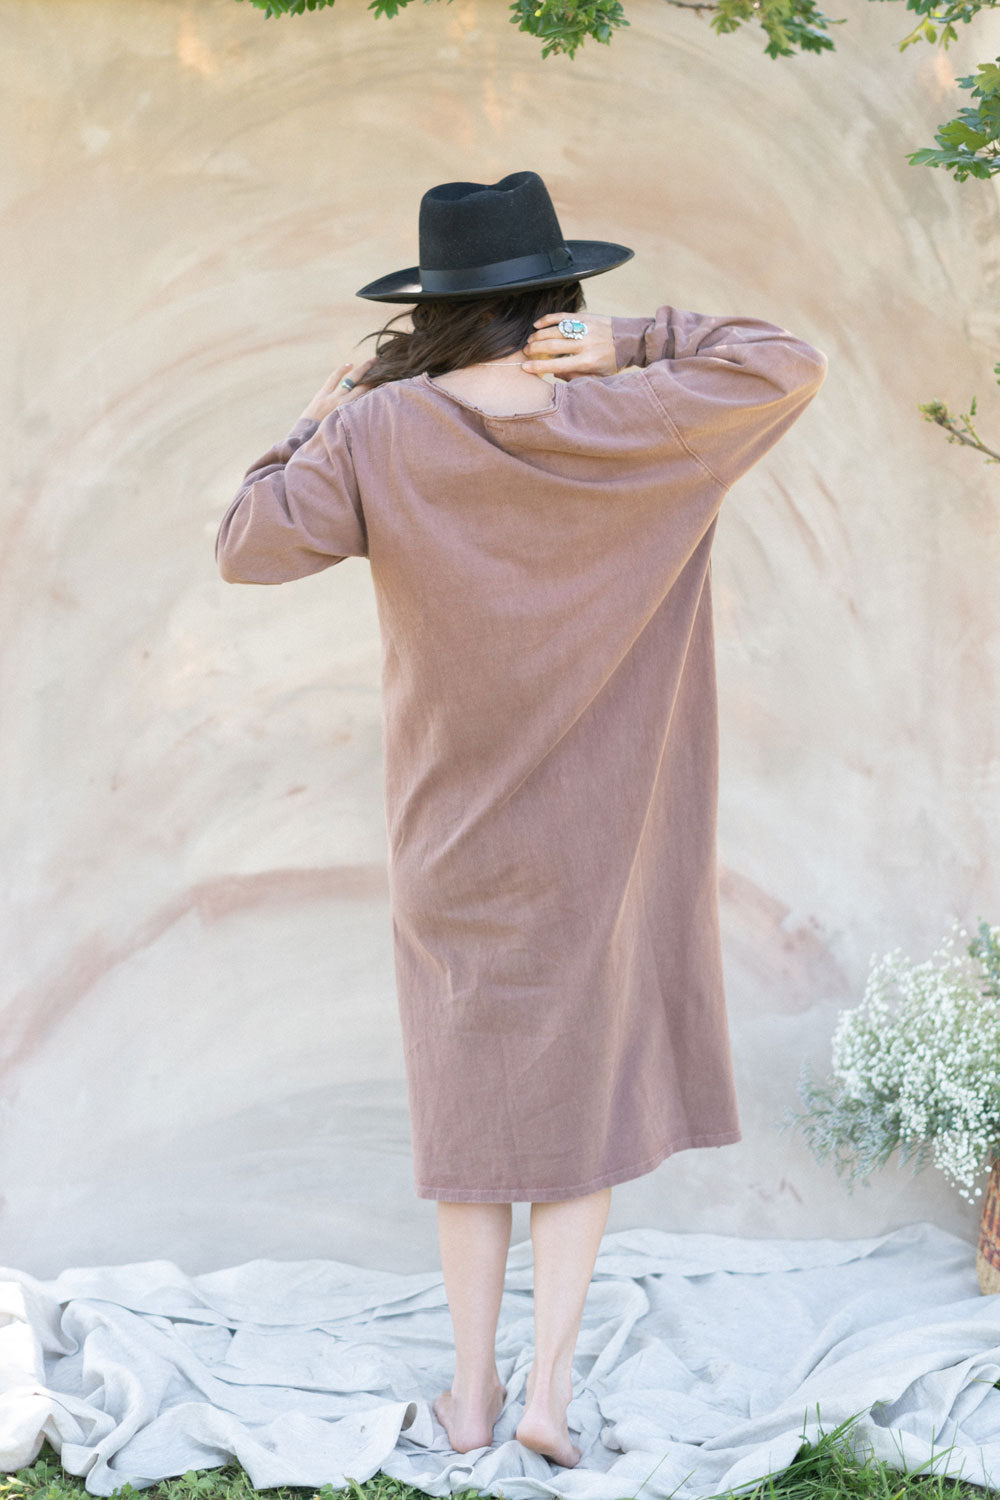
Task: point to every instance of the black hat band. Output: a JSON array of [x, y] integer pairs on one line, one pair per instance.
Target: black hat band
[[498, 273]]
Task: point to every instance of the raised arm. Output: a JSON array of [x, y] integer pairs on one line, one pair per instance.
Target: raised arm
[[730, 386], [298, 509]]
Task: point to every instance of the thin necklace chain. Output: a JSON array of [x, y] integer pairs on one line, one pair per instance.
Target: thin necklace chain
[[477, 363]]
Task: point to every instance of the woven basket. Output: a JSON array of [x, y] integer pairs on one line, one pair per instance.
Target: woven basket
[[988, 1255]]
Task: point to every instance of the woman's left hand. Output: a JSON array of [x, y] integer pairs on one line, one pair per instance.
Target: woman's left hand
[[332, 394], [549, 352]]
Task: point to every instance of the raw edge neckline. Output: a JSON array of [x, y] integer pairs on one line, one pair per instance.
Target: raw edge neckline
[[497, 416]]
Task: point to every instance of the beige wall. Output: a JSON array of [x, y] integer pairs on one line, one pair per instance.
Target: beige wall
[[200, 1049]]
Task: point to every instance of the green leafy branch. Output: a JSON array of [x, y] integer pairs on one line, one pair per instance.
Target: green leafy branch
[[938, 13], [563, 27], [296, 7], [969, 145], [936, 411], [560, 25], [787, 24]]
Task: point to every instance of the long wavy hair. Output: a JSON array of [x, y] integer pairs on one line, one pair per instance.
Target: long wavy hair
[[448, 334]]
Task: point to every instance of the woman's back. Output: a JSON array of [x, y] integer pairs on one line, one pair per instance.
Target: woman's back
[[541, 569]]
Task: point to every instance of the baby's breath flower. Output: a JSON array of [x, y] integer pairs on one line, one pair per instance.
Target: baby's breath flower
[[916, 1066]]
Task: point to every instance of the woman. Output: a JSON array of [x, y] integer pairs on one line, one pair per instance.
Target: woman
[[540, 554]]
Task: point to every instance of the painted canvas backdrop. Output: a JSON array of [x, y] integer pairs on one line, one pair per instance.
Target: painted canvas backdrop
[[199, 1041]]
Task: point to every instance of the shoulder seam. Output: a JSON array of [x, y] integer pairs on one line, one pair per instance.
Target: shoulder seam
[[677, 432]]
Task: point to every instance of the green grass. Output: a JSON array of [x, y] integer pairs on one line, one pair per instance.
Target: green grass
[[825, 1470]]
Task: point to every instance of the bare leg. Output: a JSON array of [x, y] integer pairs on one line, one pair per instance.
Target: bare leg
[[565, 1238], [474, 1239]]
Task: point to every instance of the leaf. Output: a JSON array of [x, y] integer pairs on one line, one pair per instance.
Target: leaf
[[988, 78], [957, 133], [925, 154]]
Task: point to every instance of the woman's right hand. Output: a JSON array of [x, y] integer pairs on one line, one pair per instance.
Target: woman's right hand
[[551, 353], [333, 393]]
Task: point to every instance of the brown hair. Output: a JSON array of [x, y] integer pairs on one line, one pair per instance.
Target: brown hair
[[448, 334]]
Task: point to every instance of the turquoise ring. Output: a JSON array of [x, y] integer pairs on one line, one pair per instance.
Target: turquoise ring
[[572, 328]]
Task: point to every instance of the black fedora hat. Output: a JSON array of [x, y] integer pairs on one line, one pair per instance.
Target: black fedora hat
[[478, 239]]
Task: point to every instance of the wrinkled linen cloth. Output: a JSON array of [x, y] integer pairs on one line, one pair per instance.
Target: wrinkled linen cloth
[[551, 755], [704, 1362]]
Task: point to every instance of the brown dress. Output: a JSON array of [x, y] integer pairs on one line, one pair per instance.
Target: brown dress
[[543, 587]]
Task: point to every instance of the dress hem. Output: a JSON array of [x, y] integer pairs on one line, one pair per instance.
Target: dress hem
[[558, 1195]]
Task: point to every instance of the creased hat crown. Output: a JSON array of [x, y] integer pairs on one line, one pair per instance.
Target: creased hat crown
[[475, 223]]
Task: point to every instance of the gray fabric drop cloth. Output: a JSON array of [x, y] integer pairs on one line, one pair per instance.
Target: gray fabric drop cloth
[[703, 1362]]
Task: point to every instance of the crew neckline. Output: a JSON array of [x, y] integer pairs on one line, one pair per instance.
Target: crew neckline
[[497, 416]]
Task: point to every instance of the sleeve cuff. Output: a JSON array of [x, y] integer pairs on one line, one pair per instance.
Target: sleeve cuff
[[629, 336]]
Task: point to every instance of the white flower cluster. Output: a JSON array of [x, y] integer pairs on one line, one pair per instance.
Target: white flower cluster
[[917, 1063]]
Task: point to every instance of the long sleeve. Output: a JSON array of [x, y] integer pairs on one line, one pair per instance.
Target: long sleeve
[[297, 511], [730, 386]]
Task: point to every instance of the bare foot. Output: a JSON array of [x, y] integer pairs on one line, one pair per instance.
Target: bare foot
[[469, 1424], [549, 1438], [543, 1426]]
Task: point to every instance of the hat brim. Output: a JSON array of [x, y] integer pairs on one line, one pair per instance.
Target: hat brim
[[590, 258]]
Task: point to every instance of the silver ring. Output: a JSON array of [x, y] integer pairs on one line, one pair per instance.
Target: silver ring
[[347, 383], [572, 328]]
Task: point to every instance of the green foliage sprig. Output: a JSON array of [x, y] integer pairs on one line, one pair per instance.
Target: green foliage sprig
[[787, 24], [941, 14], [562, 26], [915, 1067], [969, 145], [291, 7], [936, 411]]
